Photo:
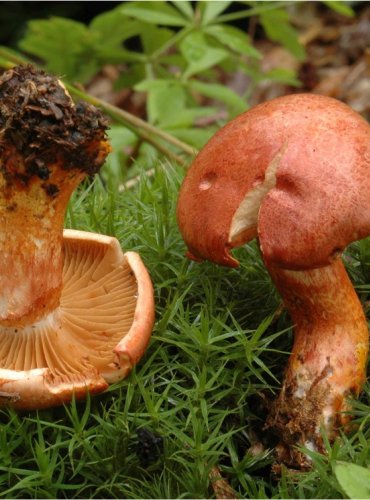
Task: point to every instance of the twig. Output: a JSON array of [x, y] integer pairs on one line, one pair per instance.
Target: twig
[[234, 16], [311, 34], [221, 487], [135, 180]]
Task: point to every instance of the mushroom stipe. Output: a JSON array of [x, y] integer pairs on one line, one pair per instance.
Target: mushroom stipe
[[293, 172], [76, 313]]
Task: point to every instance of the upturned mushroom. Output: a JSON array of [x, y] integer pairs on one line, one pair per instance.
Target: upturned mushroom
[[293, 172], [76, 313]]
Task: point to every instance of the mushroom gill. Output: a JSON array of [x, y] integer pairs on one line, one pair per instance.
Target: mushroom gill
[[104, 292]]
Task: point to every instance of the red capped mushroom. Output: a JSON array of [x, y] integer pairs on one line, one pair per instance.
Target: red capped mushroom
[[76, 313], [293, 172]]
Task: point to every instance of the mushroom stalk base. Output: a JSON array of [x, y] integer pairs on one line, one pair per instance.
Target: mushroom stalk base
[[328, 360]]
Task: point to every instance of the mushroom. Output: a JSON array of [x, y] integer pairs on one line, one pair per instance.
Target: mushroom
[[293, 172], [76, 312]]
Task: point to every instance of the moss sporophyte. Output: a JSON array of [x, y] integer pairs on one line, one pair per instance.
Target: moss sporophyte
[[75, 312]]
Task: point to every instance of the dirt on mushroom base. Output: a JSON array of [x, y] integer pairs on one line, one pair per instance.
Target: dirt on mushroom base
[[42, 126]]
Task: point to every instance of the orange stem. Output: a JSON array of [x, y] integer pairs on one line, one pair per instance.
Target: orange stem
[[32, 220], [48, 145], [328, 359]]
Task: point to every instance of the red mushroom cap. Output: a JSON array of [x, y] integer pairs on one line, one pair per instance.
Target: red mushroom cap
[[319, 151]]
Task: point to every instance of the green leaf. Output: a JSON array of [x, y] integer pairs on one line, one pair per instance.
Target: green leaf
[[195, 137], [174, 60], [233, 38], [221, 93], [66, 46], [277, 28], [210, 9], [353, 479], [282, 75], [153, 38], [129, 79], [154, 13], [168, 104], [113, 27], [122, 140], [113, 55], [199, 55], [148, 85], [340, 7], [166, 99], [187, 117], [185, 7], [120, 136]]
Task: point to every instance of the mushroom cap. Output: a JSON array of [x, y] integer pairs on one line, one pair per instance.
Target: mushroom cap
[[293, 171], [97, 334]]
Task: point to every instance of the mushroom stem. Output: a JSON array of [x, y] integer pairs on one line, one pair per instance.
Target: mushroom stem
[[47, 146], [328, 360], [32, 219]]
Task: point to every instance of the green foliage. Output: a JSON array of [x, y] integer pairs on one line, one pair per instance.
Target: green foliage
[[155, 13], [341, 7], [196, 34], [172, 51], [175, 52], [354, 479], [277, 27], [72, 39]]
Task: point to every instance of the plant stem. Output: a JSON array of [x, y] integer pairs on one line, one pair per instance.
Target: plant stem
[[174, 40], [254, 11]]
